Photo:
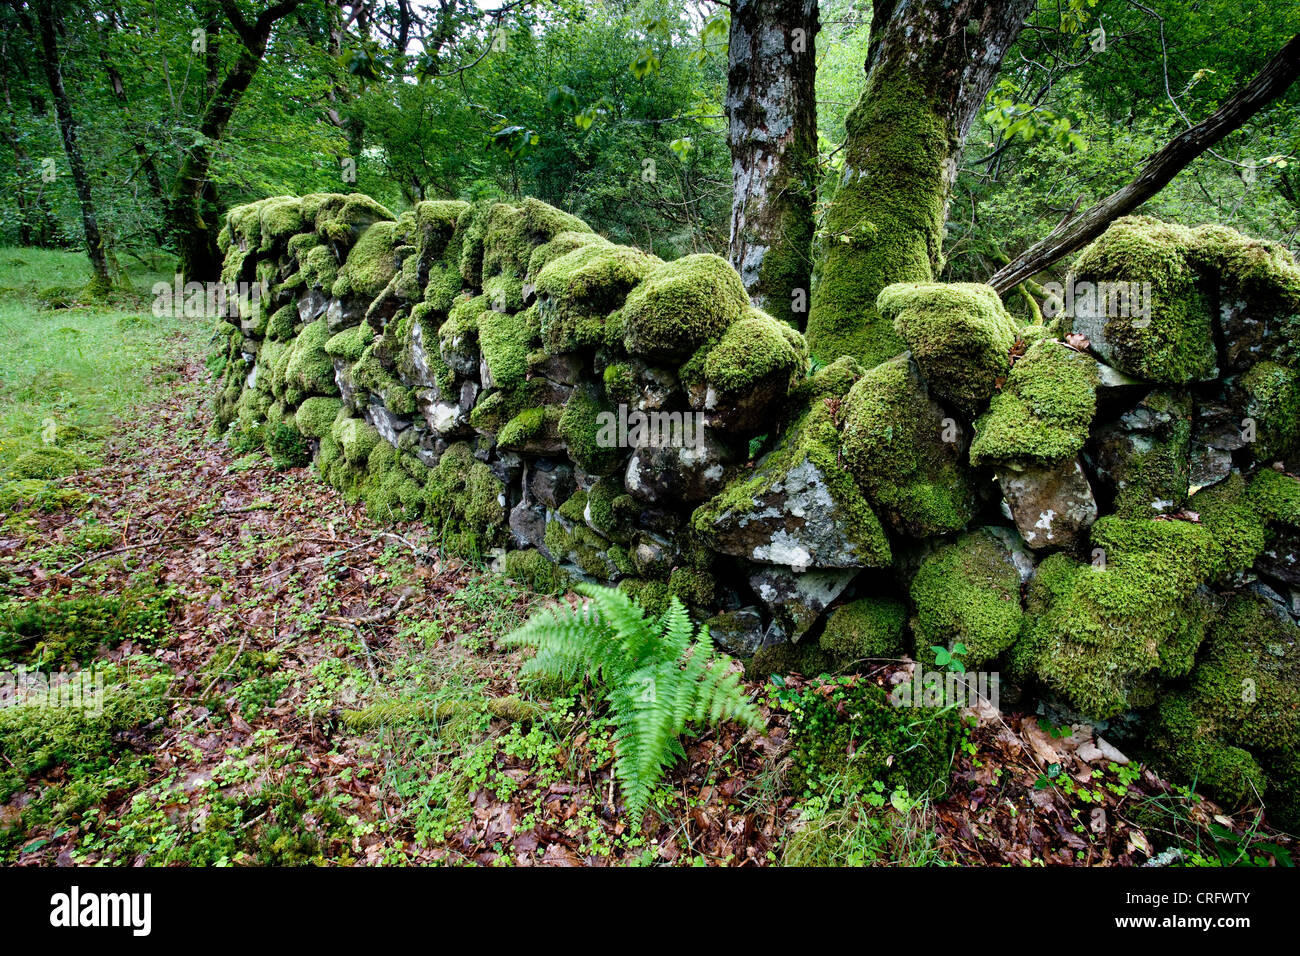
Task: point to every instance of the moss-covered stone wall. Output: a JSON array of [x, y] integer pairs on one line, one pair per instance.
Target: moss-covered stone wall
[[1104, 507]]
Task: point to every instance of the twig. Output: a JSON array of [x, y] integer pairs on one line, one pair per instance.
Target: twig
[[108, 554]]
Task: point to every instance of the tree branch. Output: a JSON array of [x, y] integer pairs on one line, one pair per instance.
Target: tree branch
[[1074, 232]]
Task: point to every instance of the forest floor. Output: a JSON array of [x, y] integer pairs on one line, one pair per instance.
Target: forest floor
[[283, 681]]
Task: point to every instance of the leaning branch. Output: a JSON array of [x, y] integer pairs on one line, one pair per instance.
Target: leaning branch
[[1074, 232]]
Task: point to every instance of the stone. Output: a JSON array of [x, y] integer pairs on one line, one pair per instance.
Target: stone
[[795, 521], [443, 418], [312, 305], [344, 313], [563, 369], [420, 358], [550, 483], [683, 473], [739, 633], [528, 526], [1281, 559], [1052, 507], [1145, 456], [388, 425], [796, 599]]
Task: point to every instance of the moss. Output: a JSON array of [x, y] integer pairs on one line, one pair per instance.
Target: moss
[[960, 336], [464, 500], [370, 265], [866, 629], [531, 568], [847, 735], [278, 219], [393, 486], [1042, 415], [308, 369], [529, 427], [1174, 343], [1102, 635], [967, 592], [1236, 729], [435, 222], [283, 323], [1276, 497], [356, 439], [805, 658], [682, 305], [443, 287], [47, 461], [579, 427], [343, 218], [578, 290], [755, 349], [35, 737], [505, 341], [44, 495], [350, 343], [574, 507], [72, 629], [316, 415], [885, 220], [612, 511], [370, 374], [1151, 469], [893, 444], [460, 332], [1273, 401], [562, 244], [513, 232], [284, 443], [620, 382], [320, 268]]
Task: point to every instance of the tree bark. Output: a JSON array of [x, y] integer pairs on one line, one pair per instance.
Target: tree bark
[[192, 219], [772, 133], [928, 72], [47, 26], [1076, 231]]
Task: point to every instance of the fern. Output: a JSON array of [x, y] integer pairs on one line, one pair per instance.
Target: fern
[[658, 676]]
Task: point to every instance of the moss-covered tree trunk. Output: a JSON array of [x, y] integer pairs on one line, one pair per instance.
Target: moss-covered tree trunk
[[772, 132], [929, 67]]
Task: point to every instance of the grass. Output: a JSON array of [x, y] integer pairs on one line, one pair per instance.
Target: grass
[[71, 364]]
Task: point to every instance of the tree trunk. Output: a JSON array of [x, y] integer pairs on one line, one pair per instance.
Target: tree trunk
[[47, 21], [930, 66], [772, 132], [190, 212]]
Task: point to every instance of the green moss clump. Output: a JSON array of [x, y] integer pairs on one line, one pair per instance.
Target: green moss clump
[[47, 461], [342, 218], [320, 268], [505, 341], [967, 592], [1276, 497], [562, 244], [895, 449], [350, 343], [370, 374], [960, 335], [682, 305], [285, 445], [531, 568], [885, 223], [371, 264], [282, 323], [511, 234], [532, 429], [278, 218], [315, 416], [1042, 415], [847, 736], [307, 368], [1151, 470], [1273, 401], [580, 426], [73, 629], [754, 349], [356, 439], [465, 501], [435, 223], [1236, 730], [577, 292], [866, 629], [1172, 344]]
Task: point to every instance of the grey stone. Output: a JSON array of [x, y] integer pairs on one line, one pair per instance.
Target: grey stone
[[312, 305], [550, 482], [740, 633], [1281, 559], [1052, 507], [683, 473], [798, 600], [343, 314], [528, 526], [443, 418], [460, 353], [388, 425]]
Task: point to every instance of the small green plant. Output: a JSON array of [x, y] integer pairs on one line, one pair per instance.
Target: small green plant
[[950, 659], [658, 676]]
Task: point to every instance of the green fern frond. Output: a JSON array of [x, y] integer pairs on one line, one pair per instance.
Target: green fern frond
[[659, 676]]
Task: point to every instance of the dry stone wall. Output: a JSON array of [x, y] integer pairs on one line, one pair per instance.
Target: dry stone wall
[[1100, 505]]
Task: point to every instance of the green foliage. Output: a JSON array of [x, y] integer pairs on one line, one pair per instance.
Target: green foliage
[[658, 677]]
